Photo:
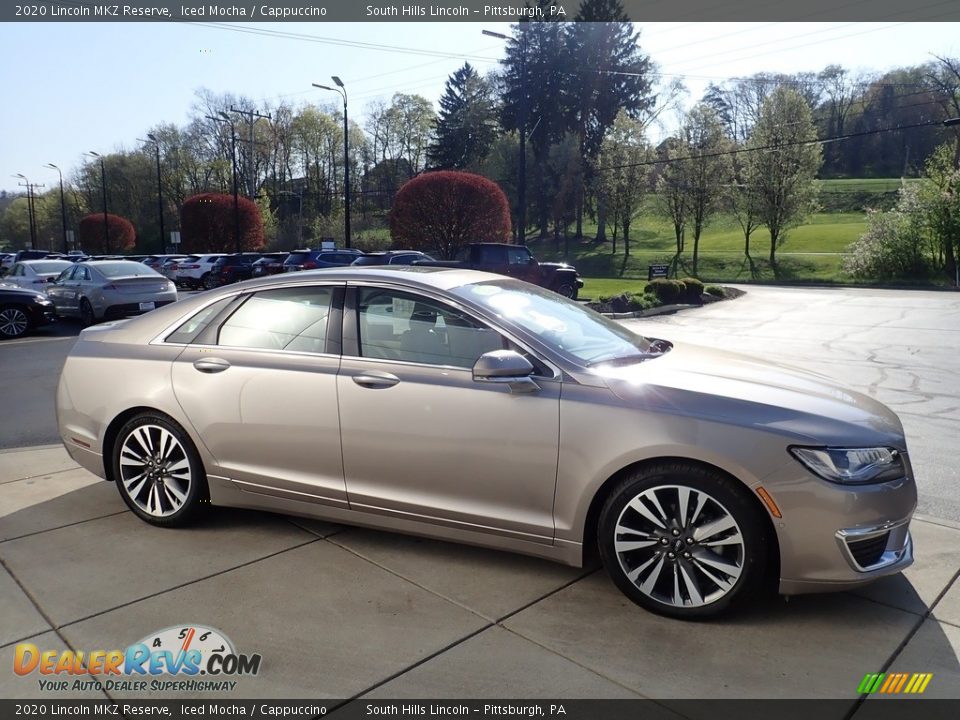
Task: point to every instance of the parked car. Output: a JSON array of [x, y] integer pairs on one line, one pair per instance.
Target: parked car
[[6, 262], [30, 255], [269, 264], [517, 261], [193, 269], [34, 274], [473, 407], [155, 261], [109, 289], [313, 259], [393, 257], [230, 269], [170, 267], [23, 310]]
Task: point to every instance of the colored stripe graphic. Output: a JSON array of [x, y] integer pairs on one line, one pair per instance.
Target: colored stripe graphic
[[894, 683], [870, 683]]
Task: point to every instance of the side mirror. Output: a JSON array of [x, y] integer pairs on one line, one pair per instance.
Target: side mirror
[[506, 367]]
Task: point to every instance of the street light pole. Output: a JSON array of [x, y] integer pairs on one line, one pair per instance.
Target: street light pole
[[522, 164], [30, 218], [103, 182], [63, 208], [340, 88], [156, 145], [233, 157]]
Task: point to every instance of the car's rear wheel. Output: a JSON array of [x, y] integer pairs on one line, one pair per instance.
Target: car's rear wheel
[[14, 322], [158, 470], [87, 316], [683, 540], [209, 281]]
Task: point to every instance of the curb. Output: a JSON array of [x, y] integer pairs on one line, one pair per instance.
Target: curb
[[662, 310]]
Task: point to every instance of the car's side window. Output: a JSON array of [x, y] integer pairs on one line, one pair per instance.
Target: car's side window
[[293, 319], [396, 325], [518, 256], [82, 274], [197, 323]]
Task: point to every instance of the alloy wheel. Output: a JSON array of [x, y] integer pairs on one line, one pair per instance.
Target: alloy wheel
[[679, 546], [155, 470], [13, 322]]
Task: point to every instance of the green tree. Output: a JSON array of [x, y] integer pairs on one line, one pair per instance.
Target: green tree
[[623, 175], [466, 124], [706, 172], [784, 158]]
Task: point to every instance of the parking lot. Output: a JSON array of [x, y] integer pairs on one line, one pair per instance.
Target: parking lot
[[338, 612]]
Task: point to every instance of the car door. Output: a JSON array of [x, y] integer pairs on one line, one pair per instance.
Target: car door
[[421, 439], [521, 265], [61, 291], [259, 387]]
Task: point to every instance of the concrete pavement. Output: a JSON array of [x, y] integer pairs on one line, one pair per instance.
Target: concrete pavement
[[340, 612]]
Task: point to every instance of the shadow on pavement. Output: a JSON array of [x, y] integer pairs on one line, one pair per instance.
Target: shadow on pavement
[[359, 611]]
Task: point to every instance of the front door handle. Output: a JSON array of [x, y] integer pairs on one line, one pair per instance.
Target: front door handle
[[376, 379], [211, 365]]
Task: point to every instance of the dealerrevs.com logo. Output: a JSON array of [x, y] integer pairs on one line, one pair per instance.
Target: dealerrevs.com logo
[[185, 652]]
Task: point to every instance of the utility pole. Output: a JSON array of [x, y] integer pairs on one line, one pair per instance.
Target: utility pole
[[233, 157], [250, 115], [63, 208], [31, 209]]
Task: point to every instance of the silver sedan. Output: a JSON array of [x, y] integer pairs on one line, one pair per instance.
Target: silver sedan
[[109, 289], [480, 409]]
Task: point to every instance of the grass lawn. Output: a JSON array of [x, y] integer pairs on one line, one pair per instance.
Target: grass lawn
[[812, 252]]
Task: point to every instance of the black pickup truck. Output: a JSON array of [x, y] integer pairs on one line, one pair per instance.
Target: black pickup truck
[[516, 261]]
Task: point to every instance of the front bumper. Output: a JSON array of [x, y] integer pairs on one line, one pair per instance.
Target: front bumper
[[836, 537]]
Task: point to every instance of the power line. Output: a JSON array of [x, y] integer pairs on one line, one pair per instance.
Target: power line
[[772, 146]]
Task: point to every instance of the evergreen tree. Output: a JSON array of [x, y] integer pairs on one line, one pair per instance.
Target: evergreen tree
[[466, 125], [608, 73]]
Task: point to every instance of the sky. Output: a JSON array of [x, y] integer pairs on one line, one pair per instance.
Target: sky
[[74, 87]]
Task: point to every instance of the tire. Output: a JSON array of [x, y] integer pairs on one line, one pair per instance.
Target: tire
[[209, 283], [87, 316], [567, 289], [651, 540], [202, 282], [14, 322], [158, 471]]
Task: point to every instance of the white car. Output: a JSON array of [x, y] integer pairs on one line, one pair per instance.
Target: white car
[[35, 274], [194, 269]]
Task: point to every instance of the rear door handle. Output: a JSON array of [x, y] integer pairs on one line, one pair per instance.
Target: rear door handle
[[376, 379], [211, 365]]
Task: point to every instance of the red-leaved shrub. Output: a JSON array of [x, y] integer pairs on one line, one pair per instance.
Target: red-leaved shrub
[[207, 224], [118, 237], [440, 212]]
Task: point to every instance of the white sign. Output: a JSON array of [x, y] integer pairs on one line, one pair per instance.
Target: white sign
[[174, 237]]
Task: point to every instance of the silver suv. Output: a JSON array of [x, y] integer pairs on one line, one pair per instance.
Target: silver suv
[[195, 268]]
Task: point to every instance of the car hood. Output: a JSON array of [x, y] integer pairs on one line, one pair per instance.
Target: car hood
[[733, 388], [19, 291]]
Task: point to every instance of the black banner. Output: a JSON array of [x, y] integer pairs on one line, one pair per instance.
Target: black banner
[[875, 709], [473, 10]]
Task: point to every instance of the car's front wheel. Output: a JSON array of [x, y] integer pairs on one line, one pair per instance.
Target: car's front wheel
[[683, 540], [158, 471], [14, 322], [567, 289]]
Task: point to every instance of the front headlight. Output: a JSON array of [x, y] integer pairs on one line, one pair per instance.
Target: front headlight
[[852, 466]]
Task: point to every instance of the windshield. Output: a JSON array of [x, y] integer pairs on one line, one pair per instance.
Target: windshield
[[572, 331], [125, 268]]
